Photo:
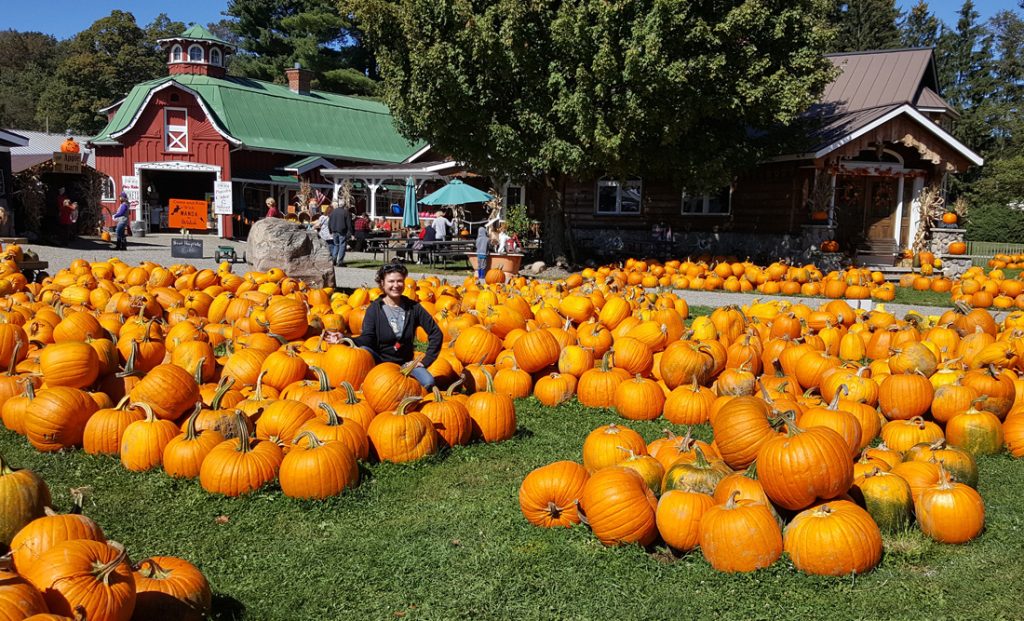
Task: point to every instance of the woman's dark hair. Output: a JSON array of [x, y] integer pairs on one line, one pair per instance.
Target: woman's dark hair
[[395, 266]]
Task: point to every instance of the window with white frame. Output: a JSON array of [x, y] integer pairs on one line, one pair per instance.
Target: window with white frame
[[107, 190], [709, 204], [176, 130], [195, 54], [619, 196], [215, 57], [176, 53]]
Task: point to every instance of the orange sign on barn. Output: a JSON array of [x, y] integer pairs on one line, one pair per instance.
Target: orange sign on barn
[[187, 214]]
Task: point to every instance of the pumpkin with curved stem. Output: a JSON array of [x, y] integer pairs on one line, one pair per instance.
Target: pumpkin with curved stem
[[950, 512], [402, 435], [387, 384], [493, 414], [450, 418], [23, 498], [804, 465], [689, 405], [900, 435], [14, 408], [810, 538], [619, 507], [905, 396], [281, 420], [104, 429], [536, 350], [143, 441], [71, 364], [919, 475], [338, 429], [698, 474], [887, 497], [19, 600], [315, 470], [242, 465], [92, 574], [167, 587], [604, 446], [996, 386], [56, 418], [346, 362], [741, 428], [548, 495], [554, 389], [955, 460], [678, 518], [168, 389], [184, 454], [740, 536], [639, 399], [43, 533]]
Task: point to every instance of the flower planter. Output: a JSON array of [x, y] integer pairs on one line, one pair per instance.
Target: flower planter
[[508, 263]]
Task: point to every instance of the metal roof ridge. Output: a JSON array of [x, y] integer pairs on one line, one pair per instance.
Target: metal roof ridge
[[888, 51], [295, 96]]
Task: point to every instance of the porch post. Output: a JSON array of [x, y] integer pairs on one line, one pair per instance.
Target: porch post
[[373, 184], [899, 215], [915, 209], [337, 188]]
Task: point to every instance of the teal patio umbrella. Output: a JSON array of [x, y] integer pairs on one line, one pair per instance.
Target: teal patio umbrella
[[456, 193], [410, 213]]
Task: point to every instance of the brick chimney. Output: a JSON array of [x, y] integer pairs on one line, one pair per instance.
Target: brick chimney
[[299, 79]]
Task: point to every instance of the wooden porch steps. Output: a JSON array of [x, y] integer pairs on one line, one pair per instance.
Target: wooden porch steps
[[877, 253]]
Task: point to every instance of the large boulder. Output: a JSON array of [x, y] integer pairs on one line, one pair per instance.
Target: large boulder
[[301, 253]]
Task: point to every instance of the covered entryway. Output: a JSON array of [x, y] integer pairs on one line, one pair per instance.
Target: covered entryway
[[159, 182]]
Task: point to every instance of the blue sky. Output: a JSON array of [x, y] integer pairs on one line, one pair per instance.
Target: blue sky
[[63, 18]]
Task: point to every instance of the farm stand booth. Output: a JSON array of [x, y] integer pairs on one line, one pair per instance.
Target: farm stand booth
[[179, 136]]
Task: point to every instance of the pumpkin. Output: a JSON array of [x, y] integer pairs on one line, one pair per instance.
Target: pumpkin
[[168, 389], [338, 429], [696, 474], [56, 418], [955, 460], [919, 475], [829, 245], [610, 444], [493, 413], [387, 384], [905, 396], [979, 432], [619, 507], [170, 588], [689, 405], [548, 495], [184, 454], [402, 435], [678, 518], [513, 381], [23, 497], [44, 532], [811, 539], [685, 362], [741, 428], [281, 420], [536, 350], [639, 399], [554, 389], [315, 470], [957, 247], [18, 598], [450, 418], [596, 387], [346, 362], [797, 468], [71, 364], [950, 217], [950, 512], [241, 465], [92, 574], [740, 536], [887, 497], [900, 435], [143, 441]]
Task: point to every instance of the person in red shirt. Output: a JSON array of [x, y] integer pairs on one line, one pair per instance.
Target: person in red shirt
[[272, 211], [66, 217]]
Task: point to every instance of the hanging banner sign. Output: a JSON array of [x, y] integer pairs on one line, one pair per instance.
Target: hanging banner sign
[[223, 203]]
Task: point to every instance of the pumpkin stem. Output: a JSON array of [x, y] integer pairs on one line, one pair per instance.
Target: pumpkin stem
[[457, 383], [223, 387], [606, 360], [405, 403], [332, 415], [30, 388], [150, 415], [190, 424], [733, 498], [313, 442], [751, 471], [102, 572], [438, 397], [554, 510], [129, 363], [18, 345], [325, 382], [149, 568], [5, 468], [78, 495], [489, 379], [699, 459], [258, 393], [243, 432]]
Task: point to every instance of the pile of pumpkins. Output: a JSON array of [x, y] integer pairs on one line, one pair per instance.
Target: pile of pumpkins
[[796, 399], [227, 378], [975, 287], [63, 566], [730, 275], [1001, 261]]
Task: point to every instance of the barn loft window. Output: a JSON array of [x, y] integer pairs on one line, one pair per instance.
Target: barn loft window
[[176, 130], [711, 204], [107, 190], [215, 57], [176, 53], [195, 54], [615, 196]]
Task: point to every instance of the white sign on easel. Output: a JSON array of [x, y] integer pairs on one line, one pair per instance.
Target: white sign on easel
[[223, 203], [130, 186]]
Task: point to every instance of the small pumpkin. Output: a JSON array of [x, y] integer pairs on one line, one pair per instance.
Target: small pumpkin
[[548, 495]]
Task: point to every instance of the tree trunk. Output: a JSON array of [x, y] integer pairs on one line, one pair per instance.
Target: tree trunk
[[557, 246]]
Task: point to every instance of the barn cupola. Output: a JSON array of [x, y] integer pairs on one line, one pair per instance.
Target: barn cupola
[[197, 51]]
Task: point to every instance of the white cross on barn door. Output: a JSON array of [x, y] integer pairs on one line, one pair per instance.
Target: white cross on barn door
[[176, 129]]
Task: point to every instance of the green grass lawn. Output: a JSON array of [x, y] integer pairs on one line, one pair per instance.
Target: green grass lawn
[[444, 539], [907, 295]]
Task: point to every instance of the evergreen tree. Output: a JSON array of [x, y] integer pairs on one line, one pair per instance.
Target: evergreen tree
[[273, 35], [920, 27], [27, 62], [866, 25], [965, 68]]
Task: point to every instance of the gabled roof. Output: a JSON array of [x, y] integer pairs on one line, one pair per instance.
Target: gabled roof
[[40, 147], [12, 139], [879, 78], [197, 32], [260, 115], [929, 100], [306, 164]]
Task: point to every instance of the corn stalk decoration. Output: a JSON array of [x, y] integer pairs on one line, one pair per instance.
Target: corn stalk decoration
[[931, 205]]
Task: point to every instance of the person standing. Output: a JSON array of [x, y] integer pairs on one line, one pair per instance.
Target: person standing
[[482, 242], [66, 219], [121, 222], [340, 223], [323, 228], [442, 225], [272, 211], [362, 229], [390, 323]]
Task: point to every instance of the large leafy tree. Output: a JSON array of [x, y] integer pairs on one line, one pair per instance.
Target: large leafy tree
[[920, 27], [27, 60], [99, 66], [547, 89], [866, 25], [273, 35]]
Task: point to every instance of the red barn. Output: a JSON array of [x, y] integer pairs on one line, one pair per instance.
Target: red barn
[[198, 133]]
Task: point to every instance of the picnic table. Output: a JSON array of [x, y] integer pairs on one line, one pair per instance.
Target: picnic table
[[433, 252]]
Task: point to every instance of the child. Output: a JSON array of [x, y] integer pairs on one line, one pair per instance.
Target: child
[[482, 242]]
